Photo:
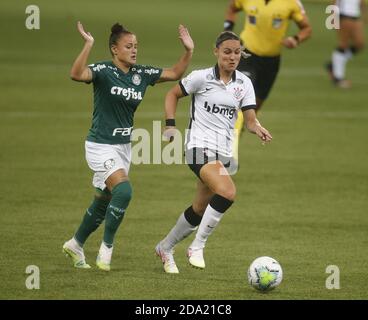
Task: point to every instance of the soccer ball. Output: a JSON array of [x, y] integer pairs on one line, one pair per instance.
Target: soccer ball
[[264, 274]]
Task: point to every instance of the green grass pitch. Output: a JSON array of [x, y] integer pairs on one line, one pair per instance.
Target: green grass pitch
[[303, 199]]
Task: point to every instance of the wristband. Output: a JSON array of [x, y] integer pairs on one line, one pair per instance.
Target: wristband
[[296, 37], [228, 25], [170, 122]]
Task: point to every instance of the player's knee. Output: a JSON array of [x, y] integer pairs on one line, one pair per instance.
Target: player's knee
[[103, 195], [122, 192], [226, 192]]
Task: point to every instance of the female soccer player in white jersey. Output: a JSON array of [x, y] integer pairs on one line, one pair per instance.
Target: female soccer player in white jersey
[[119, 86], [217, 94], [350, 39]]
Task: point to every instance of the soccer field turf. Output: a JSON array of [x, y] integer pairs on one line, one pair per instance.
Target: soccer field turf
[[302, 199]]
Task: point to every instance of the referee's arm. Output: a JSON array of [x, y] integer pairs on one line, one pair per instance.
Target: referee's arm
[[305, 29], [230, 16]]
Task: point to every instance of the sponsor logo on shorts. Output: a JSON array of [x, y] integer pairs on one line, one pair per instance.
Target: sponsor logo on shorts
[[109, 164]]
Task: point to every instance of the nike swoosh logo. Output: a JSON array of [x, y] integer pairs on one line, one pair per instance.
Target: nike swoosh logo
[[208, 89], [210, 227]]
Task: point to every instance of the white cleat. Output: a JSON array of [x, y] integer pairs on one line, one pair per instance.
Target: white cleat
[[73, 250], [167, 258], [103, 260], [195, 256]]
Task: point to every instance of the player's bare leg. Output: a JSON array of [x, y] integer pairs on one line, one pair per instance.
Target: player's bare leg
[[223, 188]]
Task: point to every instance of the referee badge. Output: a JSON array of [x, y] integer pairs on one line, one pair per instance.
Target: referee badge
[[136, 79], [276, 22]]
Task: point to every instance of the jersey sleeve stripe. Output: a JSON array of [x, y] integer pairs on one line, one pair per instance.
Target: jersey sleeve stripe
[[183, 89], [193, 107], [251, 106]]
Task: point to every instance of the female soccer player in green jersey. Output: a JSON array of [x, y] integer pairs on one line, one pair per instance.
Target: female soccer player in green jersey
[[119, 86]]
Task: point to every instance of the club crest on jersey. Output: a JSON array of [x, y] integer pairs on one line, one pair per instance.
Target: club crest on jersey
[[238, 93], [136, 79]]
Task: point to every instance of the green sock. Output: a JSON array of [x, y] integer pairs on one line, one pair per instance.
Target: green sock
[[93, 217], [121, 195]]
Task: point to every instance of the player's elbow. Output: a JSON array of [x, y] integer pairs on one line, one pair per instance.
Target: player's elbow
[[175, 75], [172, 95], [74, 76]]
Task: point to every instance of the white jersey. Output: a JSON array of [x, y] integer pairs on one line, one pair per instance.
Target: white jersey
[[214, 108], [349, 8]]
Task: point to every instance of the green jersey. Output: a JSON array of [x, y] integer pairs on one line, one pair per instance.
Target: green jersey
[[116, 97]]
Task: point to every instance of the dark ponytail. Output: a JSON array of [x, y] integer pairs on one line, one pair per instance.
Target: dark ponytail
[[117, 30], [226, 35]]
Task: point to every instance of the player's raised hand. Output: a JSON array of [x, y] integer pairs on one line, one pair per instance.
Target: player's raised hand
[[85, 35], [185, 38]]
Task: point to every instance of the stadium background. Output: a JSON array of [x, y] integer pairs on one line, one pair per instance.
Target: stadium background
[[302, 199]]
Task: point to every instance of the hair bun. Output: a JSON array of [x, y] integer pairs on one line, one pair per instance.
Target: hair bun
[[117, 28]]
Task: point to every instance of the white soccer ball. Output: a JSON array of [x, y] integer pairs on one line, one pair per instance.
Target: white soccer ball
[[264, 274]]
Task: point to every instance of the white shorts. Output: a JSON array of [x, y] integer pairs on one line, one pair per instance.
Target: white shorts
[[105, 159]]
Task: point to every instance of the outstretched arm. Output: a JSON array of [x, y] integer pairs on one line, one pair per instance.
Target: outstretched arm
[[171, 103], [80, 71], [254, 126], [176, 71]]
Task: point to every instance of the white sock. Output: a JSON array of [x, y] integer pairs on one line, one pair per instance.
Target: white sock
[[75, 243], [181, 230], [339, 61], [210, 220]]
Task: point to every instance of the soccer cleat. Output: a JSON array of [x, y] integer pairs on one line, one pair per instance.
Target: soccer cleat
[[340, 83], [103, 260], [73, 250], [167, 258], [328, 67], [195, 256], [343, 84]]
